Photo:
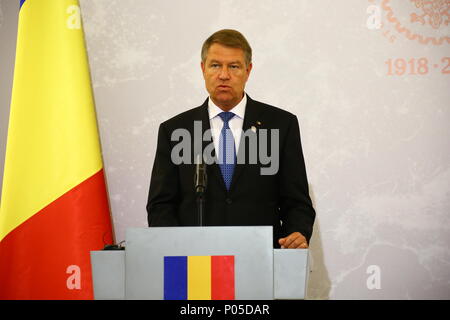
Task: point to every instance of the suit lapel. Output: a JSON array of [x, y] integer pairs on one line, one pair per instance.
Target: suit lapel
[[252, 112]]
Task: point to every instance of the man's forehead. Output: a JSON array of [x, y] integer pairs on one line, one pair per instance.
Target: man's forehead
[[225, 54]]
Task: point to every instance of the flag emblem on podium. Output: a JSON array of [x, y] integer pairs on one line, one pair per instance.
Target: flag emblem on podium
[[199, 278]]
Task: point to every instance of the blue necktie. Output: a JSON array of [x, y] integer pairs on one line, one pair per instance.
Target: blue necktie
[[227, 149]]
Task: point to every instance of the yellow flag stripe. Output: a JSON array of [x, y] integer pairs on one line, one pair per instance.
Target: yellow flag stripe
[[53, 140], [199, 278]]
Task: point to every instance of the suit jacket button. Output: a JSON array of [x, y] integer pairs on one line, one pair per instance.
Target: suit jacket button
[[228, 201]]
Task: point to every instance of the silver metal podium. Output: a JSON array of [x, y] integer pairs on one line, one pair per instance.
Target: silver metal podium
[[261, 272]]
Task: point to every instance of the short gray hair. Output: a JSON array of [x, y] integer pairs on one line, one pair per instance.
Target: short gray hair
[[228, 38]]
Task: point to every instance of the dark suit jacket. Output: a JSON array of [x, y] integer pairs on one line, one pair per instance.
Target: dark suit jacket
[[281, 200]]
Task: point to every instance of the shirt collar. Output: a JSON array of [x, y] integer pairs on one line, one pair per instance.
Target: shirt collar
[[238, 110]]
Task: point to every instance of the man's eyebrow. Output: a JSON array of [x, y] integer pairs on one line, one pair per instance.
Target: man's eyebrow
[[232, 62]]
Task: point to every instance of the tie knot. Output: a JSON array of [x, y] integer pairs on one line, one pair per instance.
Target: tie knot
[[226, 116]]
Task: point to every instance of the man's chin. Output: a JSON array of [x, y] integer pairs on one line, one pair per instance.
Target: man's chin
[[225, 101]]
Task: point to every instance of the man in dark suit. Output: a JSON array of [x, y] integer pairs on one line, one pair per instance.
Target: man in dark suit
[[260, 177]]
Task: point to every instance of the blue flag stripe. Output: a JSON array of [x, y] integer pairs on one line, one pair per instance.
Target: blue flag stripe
[[21, 3], [175, 278]]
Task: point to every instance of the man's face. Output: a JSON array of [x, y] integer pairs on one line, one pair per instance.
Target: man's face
[[225, 74]]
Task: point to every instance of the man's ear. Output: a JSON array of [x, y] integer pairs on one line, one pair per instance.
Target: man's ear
[[249, 68], [202, 65]]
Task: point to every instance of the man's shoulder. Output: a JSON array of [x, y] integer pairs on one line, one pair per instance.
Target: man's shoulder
[[271, 111], [186, 117]]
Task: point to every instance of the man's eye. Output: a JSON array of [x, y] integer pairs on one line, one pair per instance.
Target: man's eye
[[215, 65], [234, 66]]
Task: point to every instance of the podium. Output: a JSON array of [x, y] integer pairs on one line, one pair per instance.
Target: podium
[[144, 269]]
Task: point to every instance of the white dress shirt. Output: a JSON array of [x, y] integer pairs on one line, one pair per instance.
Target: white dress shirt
[[235, 123]]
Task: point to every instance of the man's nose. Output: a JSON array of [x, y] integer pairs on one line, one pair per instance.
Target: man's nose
[[224, 73]]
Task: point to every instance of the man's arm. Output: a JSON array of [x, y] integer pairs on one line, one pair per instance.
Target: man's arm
[[163, 194], [297, 212]]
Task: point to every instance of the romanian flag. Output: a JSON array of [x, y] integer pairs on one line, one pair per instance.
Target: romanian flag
[[54, 208], [199, 278]]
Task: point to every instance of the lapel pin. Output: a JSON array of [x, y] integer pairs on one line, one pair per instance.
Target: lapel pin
[[258, 123]]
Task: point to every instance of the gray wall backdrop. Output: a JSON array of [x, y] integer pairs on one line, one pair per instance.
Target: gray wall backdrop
[[374, 119]]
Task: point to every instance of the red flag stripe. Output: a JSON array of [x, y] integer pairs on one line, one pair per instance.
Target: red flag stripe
[[222, 277], [40, 258]]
